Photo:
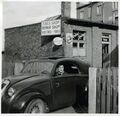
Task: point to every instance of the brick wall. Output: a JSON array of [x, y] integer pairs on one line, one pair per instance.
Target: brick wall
[[24, 43]]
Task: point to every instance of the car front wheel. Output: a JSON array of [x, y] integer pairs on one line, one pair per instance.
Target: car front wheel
[[36, 106]]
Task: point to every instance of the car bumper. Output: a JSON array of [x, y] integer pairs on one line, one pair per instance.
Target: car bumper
[[8, 107], [5, 107]]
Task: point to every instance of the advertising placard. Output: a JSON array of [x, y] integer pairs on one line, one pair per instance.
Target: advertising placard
[[51, 27]]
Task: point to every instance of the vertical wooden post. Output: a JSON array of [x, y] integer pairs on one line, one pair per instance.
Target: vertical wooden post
[[111, 92], [115, 90], [108, 90], [92, 90], [103, 91], [98, 90]]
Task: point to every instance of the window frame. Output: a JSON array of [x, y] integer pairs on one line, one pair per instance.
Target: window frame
[[89, 12], [82, 14], [78, 41], [63, 63], [99, 9], [114, 6]]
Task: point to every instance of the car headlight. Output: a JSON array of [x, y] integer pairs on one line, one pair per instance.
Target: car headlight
[[11, 91], [86, 88], [5, 83]]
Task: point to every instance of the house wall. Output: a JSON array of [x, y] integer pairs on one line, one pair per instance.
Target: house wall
[[106, 14], [93, 44], [68, 50]]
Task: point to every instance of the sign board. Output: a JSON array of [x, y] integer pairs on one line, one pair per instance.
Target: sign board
[[105, 39], [51, 27], [58, 41]]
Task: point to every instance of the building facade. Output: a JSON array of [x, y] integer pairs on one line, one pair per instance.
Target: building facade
[[106, 12], [92, 41]]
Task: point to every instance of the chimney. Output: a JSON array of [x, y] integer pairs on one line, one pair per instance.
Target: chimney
[[66, 9], [73, 11]]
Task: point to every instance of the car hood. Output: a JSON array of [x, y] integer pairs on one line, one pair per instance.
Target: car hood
[[26, 77]]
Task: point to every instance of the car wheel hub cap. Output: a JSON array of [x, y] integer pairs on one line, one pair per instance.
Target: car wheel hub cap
[[36, 109]]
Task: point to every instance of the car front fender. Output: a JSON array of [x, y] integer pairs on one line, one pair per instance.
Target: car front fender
[[21, 102]]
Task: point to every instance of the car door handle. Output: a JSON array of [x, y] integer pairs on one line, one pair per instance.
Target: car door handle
[[57, 84]]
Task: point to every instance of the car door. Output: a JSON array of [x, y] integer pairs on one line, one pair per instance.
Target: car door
[[64, 87]]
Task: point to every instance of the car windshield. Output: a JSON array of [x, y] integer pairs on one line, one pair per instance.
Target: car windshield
[[38, 67]]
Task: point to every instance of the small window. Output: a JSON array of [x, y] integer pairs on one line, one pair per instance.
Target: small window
[[115, 17], [99, 9], [81, 14], [89, 12], [114, 5]]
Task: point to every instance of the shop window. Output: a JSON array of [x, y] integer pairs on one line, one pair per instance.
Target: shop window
[[81, 14], [79, 45]]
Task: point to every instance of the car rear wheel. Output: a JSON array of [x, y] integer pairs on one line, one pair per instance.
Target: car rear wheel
[[36, 106]]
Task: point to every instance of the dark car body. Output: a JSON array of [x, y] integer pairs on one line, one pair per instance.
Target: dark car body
[[57, 91]]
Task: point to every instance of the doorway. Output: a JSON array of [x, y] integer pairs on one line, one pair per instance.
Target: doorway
[[106, 50]]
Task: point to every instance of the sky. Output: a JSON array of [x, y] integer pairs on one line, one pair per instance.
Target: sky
[[16, 13]]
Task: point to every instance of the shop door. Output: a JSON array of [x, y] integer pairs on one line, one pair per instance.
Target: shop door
[[106, 49]]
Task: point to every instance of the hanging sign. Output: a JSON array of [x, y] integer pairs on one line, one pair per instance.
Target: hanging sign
[[58, 41], [51, 27]]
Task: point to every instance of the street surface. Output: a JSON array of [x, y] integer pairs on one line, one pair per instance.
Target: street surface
[[70, 109]]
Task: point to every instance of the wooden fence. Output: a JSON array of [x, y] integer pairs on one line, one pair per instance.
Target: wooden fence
[[103, 90]]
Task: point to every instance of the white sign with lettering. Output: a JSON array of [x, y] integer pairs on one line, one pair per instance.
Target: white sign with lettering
[[51, 27]]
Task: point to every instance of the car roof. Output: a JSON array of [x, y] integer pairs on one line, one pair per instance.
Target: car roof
[[84, 66], [60, 59]]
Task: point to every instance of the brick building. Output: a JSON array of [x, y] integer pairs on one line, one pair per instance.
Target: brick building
[[90, 40]]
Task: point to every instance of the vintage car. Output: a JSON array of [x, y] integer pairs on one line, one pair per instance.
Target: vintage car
[[45, 85]]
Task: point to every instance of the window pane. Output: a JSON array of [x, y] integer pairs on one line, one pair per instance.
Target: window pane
[[81, 37], [114, 5], [75, 45], [81, 45], [75, 37], [81, 52], [99, 9], [75, 51], [81, 14], [89, 12]]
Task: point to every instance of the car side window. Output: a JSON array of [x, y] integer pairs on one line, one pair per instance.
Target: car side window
[[66, 68]]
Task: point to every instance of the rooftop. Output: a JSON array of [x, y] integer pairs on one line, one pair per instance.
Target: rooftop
[[85, 5], [79, 22]]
